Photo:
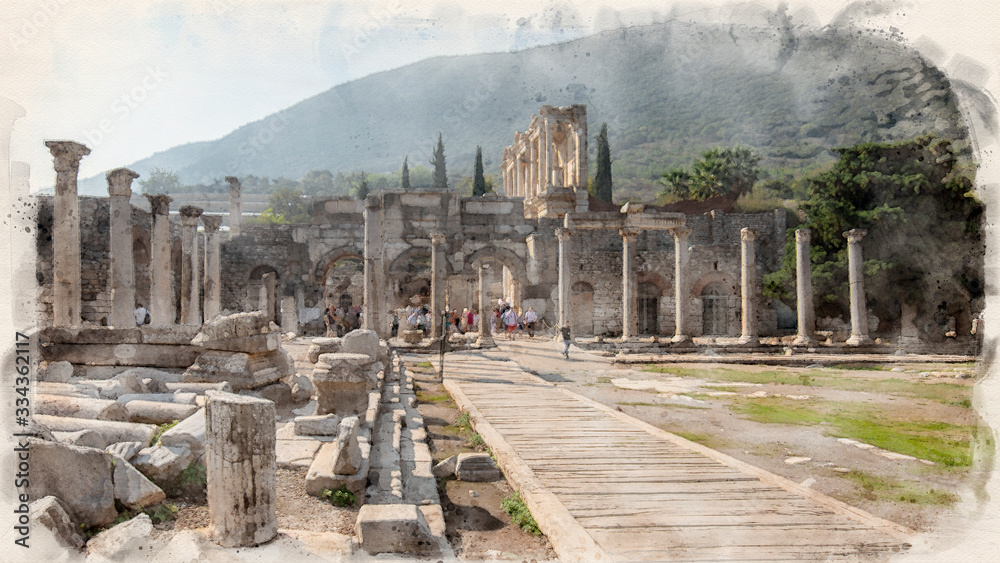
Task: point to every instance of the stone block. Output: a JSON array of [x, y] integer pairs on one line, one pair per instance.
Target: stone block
[[169, 334], [57, 372], [253, 344], [152, 373], [330, 345], [189, 433], [80, 477], [50, 513], [162, 464], [125, 450], [412, 336], [67, 389], [302, 388], [198, 388], [79, 407], [296, 453], [241, 370], [394, 528], [112, 431], [342, 384], [319, 425], [361, 341], [446, 468], [476, 468], [321, 476], [155, 412], [84, 438], [123, 542], [179, 398], [347, 461], [132, 488], [278, 393]]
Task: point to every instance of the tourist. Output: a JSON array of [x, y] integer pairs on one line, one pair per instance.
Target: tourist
[[493, 320], [330, 319], [142, 316], [530, 318], [510, 320], [394, 324], [566, 339], [471, 319]]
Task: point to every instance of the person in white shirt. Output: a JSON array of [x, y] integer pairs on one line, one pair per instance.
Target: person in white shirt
[[140, 314], [530, 318]]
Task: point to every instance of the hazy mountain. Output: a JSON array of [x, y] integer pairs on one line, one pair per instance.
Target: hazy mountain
[[667, 91]]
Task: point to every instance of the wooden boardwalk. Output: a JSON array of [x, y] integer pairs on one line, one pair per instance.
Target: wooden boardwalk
[[606, 486]]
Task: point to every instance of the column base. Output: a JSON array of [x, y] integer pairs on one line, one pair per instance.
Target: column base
[[749, 341], [681, 341], [858, 340], [802, 340], [485, 342]]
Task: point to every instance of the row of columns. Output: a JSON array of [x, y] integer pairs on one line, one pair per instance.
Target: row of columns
[[66, 259], [748, 286]]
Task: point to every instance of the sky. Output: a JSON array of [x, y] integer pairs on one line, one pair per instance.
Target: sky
[[132, 78]]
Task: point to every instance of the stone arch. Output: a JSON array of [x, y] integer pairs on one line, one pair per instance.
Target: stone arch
[[581, 299], [517, 274], [251, 299], [717, 297], [327, 261], [141, 264], [410, 276]]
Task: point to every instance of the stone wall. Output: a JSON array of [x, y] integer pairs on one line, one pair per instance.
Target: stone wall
[[261, 249]]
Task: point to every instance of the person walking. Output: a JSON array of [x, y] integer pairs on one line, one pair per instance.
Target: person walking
[[530, 318], [510, 320], [566, 339]]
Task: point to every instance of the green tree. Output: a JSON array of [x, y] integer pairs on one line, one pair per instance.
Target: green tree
[[602, 186], [317, 182], [290, 205], [440, 172], [478, 181], [361, 192], [404, 176], [728, 171], [924, 245], [161, 181]]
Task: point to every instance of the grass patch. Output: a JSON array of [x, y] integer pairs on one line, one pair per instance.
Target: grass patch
[[859, 367], [424, 365], [665, 405], [604, 380], [519, 513], [940, 442], [463, 422], [476, 440], [161, 429], [945, 393], [441, 398], [707, 440], [339, 497], [881, 488]]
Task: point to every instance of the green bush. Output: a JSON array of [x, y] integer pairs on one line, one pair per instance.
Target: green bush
[[519, 513], [339, 497]]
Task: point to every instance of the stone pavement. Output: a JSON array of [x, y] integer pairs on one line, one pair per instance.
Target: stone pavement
[[605, 486]]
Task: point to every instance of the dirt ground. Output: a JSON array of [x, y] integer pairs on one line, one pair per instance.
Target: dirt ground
[[734, 409], [476, 525]]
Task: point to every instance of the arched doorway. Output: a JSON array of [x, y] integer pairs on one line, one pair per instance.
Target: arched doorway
[[581, 302], [343, 285], [714, 311], [252, 299], [649, 308]]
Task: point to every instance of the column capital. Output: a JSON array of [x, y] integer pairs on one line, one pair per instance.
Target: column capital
[[211, 222], [190, 214], [563, 233], [855, 235], [748, 234], [234, 185], [803, 236], [373, 201], [159, 204], [67, 154], [120, 181], [437, 238], [629, 234], [681, 233]]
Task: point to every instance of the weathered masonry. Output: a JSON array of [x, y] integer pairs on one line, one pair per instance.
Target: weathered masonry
[[633, 272]]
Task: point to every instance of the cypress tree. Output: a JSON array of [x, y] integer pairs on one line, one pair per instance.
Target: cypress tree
[[440, 173], [601, 188], [478, 181], [404, 176], [362, 191]]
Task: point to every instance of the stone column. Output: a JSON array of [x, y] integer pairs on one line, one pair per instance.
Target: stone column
[[485, 339], [161, 302], [748, 287], [859, 310], [190, 288], [269, 296], [213, 266], [547, 151], [682, 299], [241, 469], [804, 290], [66, 233], [235, 207], [630, 306], [122, 266], [531, 170], [437, 281], [565, 275], [375, 287]]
